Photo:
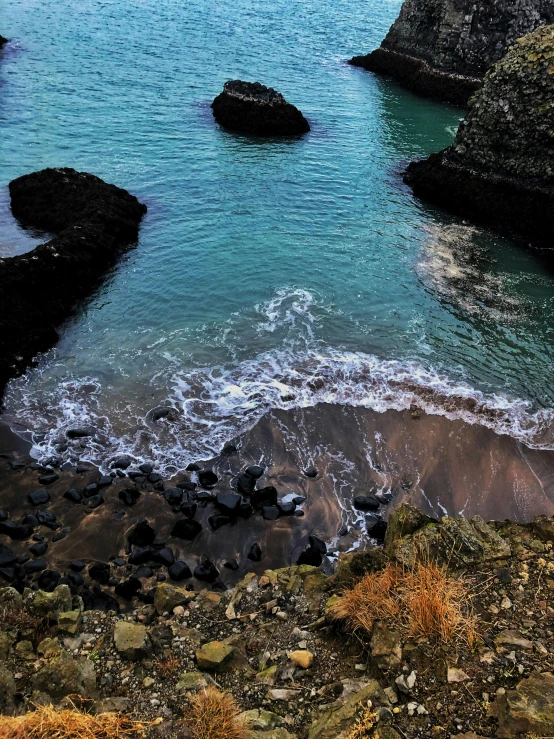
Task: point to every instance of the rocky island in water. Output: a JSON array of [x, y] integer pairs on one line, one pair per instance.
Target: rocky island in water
[[376, 568]]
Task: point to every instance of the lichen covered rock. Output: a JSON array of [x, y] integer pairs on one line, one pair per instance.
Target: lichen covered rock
[[251, 107], [500, 168], [443, 48], [458, 543]]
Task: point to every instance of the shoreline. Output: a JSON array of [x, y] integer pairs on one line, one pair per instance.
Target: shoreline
[[404, 456]]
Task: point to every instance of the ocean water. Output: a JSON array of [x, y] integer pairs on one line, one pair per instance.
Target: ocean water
[[268, 273]]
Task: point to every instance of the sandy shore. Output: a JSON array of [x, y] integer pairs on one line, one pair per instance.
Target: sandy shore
[[439, 465]]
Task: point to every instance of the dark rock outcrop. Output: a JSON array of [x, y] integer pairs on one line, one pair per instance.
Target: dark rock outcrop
[[443, 48], [500, 168], [92, 223], [250, 107], [3, 41]]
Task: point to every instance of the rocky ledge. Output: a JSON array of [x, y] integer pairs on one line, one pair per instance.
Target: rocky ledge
[[442, 49], [250, 107], [274, 643], [92, 223], [3, 41], [500, 168]]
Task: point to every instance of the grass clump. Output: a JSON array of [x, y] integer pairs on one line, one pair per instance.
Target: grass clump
[[45, 722], [215, 715], [364, 725], [424, 602]]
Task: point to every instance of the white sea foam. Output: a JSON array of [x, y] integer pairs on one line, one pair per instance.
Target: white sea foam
[[216, 403]]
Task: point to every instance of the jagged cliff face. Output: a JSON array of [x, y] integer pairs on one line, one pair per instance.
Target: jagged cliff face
[[461, 36], [500, 168], [509, 129]]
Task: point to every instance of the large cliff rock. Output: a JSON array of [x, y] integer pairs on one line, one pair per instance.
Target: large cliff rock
[[443, 48], [500, 168], [93, 222], [251, 107]]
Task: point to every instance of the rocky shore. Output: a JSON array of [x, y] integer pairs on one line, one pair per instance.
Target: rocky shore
[[500, 168], [251, 107], [92, 222], [275, 644], [442, 49]]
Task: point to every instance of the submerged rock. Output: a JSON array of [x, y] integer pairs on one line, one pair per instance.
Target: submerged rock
[[442, 49], [500, 168], [251, 107], [93, 223]]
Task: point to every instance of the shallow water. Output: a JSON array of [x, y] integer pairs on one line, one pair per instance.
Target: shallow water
[[269, 273]]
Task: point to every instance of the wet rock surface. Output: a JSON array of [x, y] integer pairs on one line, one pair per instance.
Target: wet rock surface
[[251, 107], [500, 168], [92, 223], [442, 49]]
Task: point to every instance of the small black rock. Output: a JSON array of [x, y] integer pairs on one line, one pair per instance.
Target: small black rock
[[37, 550], [142, 534], [186, 529], [99, 572], [255, 553], [74, 495], [366, 503], [255, 471], [270, 512], [36, 565], [129, 496], [48, 479], [39, 497], [286, 508], [80, 433], [207, 478], [193, 467], [140, 555], [146, 468], [121, 463], [128, 588], [206, 571], [246, 483], [232, 564], [179, 570], [216, 522], [310, 472], [189, 509], [228, 502], [104, 481], [16, 531], [77, 565], [264, 497], [143, 572], [94, 501], [229, 449], [164, 556]]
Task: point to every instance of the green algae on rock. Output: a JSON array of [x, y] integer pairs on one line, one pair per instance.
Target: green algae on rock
[[442, 49], [500, 168]]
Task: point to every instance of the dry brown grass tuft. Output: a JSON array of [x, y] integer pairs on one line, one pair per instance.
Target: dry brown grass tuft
[[215, 715], [45, 722], [424, 602], [168, 665]]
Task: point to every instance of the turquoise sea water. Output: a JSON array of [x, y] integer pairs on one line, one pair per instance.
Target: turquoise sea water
[[268, 272]]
